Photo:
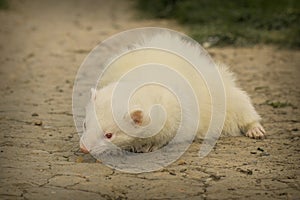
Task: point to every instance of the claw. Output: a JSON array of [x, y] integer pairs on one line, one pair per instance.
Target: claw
[[256, 132]]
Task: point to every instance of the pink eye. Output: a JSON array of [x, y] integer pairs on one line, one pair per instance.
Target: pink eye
[[108, 135]]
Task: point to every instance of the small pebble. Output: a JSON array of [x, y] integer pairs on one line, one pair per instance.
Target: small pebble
[[34, 114], [264, 154], [183, 170], [172, 173], [181, 162], [260, 149], [215, 177], [38, 123], [247, 171], [48, 127]]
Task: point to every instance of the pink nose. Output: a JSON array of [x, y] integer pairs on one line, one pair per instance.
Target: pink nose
[[83, 148]]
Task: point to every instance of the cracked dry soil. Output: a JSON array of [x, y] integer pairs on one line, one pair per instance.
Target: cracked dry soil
[[43, 43]]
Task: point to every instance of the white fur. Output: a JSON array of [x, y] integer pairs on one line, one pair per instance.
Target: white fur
[[241, 116]]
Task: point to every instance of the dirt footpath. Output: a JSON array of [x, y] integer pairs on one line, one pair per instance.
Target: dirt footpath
[[43, 43]]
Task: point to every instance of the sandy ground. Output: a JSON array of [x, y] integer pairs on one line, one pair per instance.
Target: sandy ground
[[42, 45]]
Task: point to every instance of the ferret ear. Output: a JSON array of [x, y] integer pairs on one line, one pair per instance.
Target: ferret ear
[[137, 116], [93, 94]]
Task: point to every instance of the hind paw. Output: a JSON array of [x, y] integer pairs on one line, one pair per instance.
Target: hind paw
[[256, 132]]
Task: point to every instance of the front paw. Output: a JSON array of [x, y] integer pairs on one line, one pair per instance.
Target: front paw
[[256, 132]]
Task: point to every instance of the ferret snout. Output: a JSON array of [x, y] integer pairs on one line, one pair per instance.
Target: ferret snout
[[83, 148]]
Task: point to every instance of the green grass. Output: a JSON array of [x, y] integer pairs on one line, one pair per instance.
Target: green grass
[[232, 22], [278, 104]]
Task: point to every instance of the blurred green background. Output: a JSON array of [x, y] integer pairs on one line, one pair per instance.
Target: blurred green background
[[3, 4], [232, 22]]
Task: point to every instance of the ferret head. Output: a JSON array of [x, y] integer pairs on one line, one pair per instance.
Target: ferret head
[[100, 131]]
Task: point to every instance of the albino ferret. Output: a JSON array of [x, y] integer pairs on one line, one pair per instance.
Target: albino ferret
[[241, 117]]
